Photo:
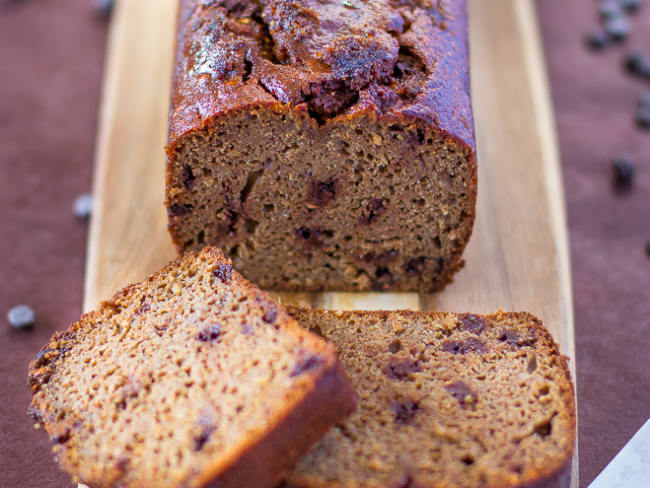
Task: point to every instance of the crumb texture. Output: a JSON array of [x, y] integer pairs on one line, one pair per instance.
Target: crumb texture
[[174, 379], [309, 138], [446, 400]]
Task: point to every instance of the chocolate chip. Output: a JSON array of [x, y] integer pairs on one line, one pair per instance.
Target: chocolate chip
[[623, 170], [381, 259], [510, 336], [306, 364], [395, 346], [463, 347], [532, 364], [103, 8], [404, 412], [177, 210], [401, 369], [631, 6], [609, 9], [207, 428], [309, 237], [383, 279], [270, 316], [373, 210], [416, 265], [83, 206], [209, 334], [246, 329], [597, 40], [61, 435], [472, 323], [617, 28], [188, 177], [21, 317], [647, 249], [515, 339], [223, 272], [633, 62], [460, 391], [322, 192]]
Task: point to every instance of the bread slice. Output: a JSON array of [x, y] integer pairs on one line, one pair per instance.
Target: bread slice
[[190, 376], [447, 401], [324, 145]]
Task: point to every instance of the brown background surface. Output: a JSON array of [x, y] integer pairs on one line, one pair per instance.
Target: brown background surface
[[51, 58]]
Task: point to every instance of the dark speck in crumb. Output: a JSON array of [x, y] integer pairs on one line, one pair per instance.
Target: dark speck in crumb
[[623, 171]]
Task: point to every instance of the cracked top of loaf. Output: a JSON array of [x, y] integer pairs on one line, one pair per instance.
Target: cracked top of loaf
[[334, 59]]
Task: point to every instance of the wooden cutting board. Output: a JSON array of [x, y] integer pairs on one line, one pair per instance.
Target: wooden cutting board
[[517, 258]]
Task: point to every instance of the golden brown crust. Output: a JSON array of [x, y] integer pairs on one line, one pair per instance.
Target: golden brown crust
[[521, 333], [125, 344]]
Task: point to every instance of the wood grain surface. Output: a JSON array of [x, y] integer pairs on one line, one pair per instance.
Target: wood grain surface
[[517, 258]]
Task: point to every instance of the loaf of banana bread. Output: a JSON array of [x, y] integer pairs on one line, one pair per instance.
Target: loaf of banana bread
[[189, 377], [446, 400], [324, 144]]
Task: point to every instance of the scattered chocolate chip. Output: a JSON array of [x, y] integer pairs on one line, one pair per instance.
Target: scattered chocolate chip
[[617, 28], [401, 369], [405, 411], [83, 206], [223, 272], [177, 210], [188, 177], [623, 170], [373, 210], [633, 62], [209, 334], [597, 40], [416, 265], [647, 249], [103, 7], [463, 347], [322, 192], [472, 323], [631, 6], [306, 364], [21, 317], [460, 391], [608, 9]]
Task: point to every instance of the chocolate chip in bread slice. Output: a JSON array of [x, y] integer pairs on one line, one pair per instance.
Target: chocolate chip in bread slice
[[446, 400], [191, 376]]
